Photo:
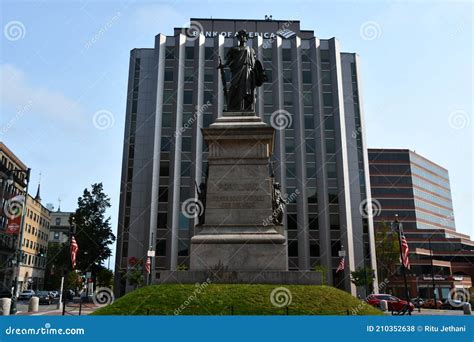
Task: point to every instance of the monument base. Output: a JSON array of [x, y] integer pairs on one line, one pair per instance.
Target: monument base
[[239, 277]]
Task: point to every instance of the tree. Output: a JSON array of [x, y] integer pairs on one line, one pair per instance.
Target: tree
[[58, 262], [73, 281], [93, 230], [387, 250], [105, 278], [135, 277], [318, 268], [363, 277]]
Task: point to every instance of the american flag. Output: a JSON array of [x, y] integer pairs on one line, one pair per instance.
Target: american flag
[[340, 267], [148, 265], [74, 250], [405, 251]]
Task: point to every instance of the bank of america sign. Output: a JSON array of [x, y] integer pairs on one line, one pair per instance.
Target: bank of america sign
[[285, 33]]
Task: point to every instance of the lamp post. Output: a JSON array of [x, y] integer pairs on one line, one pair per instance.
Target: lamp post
[[18, 252], [399, 229], [432, 275], [342, 255]]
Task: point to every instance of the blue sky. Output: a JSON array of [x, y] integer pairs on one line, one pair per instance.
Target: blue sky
[[61, 62]]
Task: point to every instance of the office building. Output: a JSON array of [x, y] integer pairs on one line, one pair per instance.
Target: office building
[[313, 100]]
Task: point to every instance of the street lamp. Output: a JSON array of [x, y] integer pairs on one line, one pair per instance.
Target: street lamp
[[18, 253]]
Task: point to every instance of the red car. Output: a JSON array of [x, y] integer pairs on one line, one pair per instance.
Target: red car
[[393, 303]]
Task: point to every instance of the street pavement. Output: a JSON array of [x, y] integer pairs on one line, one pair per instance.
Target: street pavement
[[72, 309]]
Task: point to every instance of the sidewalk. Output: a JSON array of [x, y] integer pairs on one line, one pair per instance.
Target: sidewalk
[[71, 310]]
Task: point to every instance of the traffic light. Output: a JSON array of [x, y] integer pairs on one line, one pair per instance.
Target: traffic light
[[41, 253]]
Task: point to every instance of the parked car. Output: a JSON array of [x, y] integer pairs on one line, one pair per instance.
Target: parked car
[[429, 304], [44, 297], [393, 303], [26, 295]]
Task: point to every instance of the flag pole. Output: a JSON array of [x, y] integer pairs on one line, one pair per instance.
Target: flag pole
[[403, 268]]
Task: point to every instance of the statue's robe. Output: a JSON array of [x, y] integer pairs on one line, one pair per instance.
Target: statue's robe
[[241, 61]]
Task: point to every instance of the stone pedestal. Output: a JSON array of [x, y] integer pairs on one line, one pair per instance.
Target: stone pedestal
[[238, 234]]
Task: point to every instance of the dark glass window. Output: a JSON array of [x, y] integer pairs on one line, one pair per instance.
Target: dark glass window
[[313, 222], [168, 75], [267, 98], [162, 220], [334, 221], [292, 221], [183, 248], [188, 97], [188, 74], [288, 98], [313, 248], [161, 247], [208, 53], [335, 247], [327, 99], [324, 55], [286, 55], [308, 122], [163, 195], [165, 144], [169, 52], [267, 54], [186, 143], [189, 52], [293, 248], [208, 75], [329, 122], [330, 146], [326, 75], [287, 76], [307, 76]]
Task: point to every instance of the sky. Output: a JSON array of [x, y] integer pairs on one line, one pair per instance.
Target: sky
[[64, 68]]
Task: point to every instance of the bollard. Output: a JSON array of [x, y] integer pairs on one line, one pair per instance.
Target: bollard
[[33, 304], [383, 305], [5, 303], [467, 309]]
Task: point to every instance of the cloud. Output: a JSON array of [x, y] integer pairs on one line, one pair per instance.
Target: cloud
[[17, 92]]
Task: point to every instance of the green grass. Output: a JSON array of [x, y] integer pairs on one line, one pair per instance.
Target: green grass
[[218, 299]]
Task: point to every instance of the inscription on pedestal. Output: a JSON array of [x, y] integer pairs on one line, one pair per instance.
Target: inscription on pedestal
[[232, 195]]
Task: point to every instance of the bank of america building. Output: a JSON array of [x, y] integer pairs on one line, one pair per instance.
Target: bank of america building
[[313, 100]]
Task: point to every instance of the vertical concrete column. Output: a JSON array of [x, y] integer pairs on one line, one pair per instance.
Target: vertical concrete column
[[160, 48], [199, 60], [300, 156], [345, 216], [33, 304], [174, 200], [371, 230], [320, 154]]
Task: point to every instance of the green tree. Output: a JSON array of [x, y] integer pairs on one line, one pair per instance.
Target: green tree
[[93, 231], [135, 277], [318, 268], [58, 262], [105, 278], [363, 277], [387, 250], [73, 281]]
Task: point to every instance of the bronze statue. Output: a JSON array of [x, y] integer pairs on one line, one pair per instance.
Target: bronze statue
[[202, 193], [278, 204], [247, 73]]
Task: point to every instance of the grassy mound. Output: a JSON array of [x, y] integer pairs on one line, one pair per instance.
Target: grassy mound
[[237, 299]]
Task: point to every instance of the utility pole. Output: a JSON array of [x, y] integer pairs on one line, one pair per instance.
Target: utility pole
[[432, 274]]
